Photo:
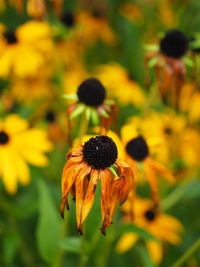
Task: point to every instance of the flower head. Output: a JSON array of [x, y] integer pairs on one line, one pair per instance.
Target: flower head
[[163, 226], [19, 146], [137, 148], [87, 164], [91, 92], [174, 44]]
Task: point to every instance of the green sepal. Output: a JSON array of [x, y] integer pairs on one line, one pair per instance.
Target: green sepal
[[94, 116], [70, 97], [113, 169], [78, 110], [88, 113], [188, 61], [151, 47], [152, 62], [104, 113]]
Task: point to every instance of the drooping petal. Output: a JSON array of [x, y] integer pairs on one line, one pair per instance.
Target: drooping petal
[[126, 241], [155, 250], [106, 181], [80, 194], [89, 196]]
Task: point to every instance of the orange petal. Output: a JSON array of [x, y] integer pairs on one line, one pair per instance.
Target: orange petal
[[80, 194], [89, 196]]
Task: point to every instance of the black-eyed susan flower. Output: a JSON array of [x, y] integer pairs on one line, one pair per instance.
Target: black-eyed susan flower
[[91, 102], [88, 164], [163, 226], [120, 85], [94, 26], [169, 64], [22, 53], [138, 154], [20, 145]]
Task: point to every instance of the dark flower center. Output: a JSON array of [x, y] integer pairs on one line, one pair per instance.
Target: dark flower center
[[4, 138], [50, 116], [137, 148], [168, 130], [91, 92], [10, 37], [174, 44], [97, 13], [68, 19], [150, 215], [100, 152]]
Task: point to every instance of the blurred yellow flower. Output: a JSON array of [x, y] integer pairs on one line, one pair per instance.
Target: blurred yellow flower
[[146, 215], [92, 27], [120, 85], [22, 53], [19, 146], [138, 154]]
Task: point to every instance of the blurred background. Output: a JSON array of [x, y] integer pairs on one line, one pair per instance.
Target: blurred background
[[47, 48]]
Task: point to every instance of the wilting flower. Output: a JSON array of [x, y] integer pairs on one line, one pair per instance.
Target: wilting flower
[[139, 155], [163, 226], [86, 165], [120, 85], [169, 65], [19, 146], [22, 53], [91, 102]]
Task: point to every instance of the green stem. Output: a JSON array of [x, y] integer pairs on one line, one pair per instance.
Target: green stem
[[83, 255], [187, 254], [175, 196], [83, 126]]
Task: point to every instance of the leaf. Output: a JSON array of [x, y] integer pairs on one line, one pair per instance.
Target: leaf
[[49, 225], [78, 110], [70, 97], [71, 244], [131, 228]]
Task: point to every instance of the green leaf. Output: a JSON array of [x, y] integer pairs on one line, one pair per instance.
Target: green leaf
[[78, 110], [70, 97], [94, 117], [188, 61], [151, 47], [49, 224], [71, 244], [131, 228]]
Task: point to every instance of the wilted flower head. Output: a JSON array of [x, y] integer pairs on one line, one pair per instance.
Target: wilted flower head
[[87, 164]]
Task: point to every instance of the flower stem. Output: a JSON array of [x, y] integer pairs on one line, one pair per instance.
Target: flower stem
[[187, 254]]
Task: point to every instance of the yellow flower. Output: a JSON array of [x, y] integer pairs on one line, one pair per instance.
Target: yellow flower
[[120, 85], [92, 27], [138, 154], [22, 53], [165, 227], [96, 160], [19, 146], [132, 11]]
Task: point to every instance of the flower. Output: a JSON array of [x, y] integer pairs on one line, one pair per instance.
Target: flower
[[138, 154], [86, 165], [120, 85], [91, 102], [19, 146], [22, 53], [174, 44], [169, 67], [163, 226]]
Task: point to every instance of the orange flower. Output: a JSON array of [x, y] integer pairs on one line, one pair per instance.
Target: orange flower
[[87, 164]]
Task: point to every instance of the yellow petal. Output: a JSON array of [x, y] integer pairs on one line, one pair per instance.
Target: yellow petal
[[155, 250], [126, 241]]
